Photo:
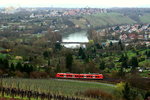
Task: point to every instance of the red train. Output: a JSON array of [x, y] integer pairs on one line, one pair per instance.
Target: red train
[[79, 76]]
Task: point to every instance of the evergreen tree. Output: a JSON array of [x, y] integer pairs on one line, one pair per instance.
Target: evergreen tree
[[123, 58], [83, 55], [58, 46], [49, 63], [110, 44], [102, 65], [120, 44], [1, 64], [126, 92], [80, 51], [12, 67], [31, 68], [134, 62], [147, 53], [69, 61], [19, 66], [137, 53], [46, 54], [28, 68], [124, 64], [6, 63], [94, 50]]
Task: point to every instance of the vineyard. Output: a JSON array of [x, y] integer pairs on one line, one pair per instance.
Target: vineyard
[[47, 89]]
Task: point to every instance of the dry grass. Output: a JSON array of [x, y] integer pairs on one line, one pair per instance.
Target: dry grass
[[98, 94]]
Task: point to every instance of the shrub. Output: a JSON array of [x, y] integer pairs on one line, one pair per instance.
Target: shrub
[[147, 95], [19, 74], [38, 75], [138, 82], [114, 74], [99, 94], [130, 93], [120, 86], [118, 90]]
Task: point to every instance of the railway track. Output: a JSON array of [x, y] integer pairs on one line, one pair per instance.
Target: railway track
[[86, 81], [112, 81], [105, 81]]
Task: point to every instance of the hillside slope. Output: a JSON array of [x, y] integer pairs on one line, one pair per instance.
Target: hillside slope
[[145, 18], [101, 19]]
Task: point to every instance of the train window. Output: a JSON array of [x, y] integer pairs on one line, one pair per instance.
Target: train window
[[89, 76]]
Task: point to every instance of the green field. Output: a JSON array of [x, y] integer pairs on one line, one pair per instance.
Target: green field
[[102, 19], [145, 18], [105, 19], [63, 87]]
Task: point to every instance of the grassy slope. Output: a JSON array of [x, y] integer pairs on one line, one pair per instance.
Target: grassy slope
[[145, 18], [55, 86], [102, 19]]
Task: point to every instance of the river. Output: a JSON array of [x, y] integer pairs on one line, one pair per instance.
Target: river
[[75, 37]]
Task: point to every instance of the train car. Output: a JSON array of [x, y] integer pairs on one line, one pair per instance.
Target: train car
[[91, 76], [65, 75], [79, 76]]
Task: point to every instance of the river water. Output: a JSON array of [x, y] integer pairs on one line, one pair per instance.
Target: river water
[[75, 37]]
